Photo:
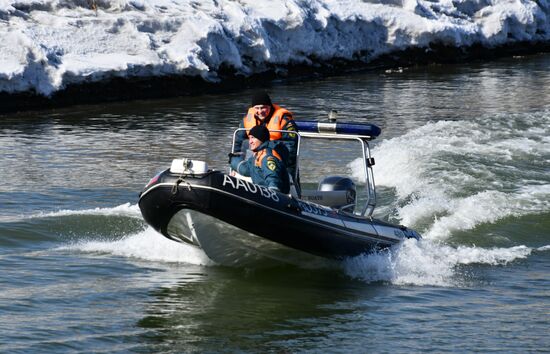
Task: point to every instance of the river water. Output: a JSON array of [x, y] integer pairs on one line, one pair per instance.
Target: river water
[[464, 158]]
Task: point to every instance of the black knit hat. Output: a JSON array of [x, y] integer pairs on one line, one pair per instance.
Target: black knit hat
[[260, 132], [261, 98]]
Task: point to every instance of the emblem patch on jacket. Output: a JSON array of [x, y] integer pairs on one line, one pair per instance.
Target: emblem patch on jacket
[[291, 135], [271, 164]]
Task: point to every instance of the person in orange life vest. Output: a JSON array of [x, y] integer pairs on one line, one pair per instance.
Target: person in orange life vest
[[273, 117], [265, 167]]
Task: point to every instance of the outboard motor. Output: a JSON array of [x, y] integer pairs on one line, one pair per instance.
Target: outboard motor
[[342, 191]]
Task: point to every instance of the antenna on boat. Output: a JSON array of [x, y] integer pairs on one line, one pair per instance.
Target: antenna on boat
[[332, 115]]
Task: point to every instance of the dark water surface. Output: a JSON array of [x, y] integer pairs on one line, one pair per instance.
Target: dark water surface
[[464, 158]]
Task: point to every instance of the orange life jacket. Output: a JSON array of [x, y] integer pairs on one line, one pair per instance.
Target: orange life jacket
[[262, 153], [275, 123]]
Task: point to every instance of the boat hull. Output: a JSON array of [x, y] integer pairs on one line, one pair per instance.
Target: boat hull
[[233, 220]]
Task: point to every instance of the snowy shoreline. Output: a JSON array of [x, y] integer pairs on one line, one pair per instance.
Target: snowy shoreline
[[116, 89], [60, 52]]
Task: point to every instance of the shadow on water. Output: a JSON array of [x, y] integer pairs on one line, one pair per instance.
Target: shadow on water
[[258, 310], [529, 230], [44, 233]]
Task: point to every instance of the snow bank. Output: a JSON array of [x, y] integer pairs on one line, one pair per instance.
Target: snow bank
[[48, 44]]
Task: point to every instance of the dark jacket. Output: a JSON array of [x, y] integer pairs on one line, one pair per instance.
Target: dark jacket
[[265, 168]]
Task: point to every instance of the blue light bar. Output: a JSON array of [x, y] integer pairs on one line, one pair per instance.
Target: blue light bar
[[362, 129]]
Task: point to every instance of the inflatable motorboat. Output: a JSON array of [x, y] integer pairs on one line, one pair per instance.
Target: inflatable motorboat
[[236, 222]]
